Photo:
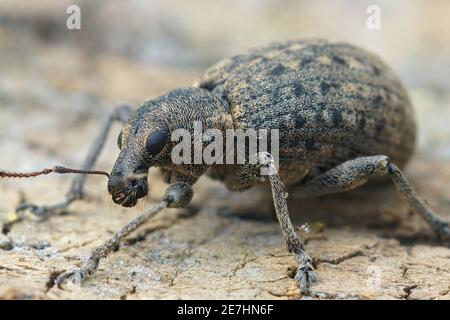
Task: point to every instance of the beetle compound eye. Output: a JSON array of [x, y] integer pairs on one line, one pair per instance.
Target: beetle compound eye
[[156, 142], [119, 140]]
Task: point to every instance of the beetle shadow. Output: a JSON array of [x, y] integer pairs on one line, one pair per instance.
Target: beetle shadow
[[375, 207]]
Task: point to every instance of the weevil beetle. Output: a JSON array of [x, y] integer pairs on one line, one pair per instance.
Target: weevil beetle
[[342, 115]]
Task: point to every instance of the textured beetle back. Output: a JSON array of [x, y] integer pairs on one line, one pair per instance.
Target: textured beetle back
[[331, 101]]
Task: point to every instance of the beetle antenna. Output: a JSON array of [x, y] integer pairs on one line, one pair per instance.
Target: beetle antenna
[[55, 169]]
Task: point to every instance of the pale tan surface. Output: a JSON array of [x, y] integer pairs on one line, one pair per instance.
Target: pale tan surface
[[54, 95], [207, 255]]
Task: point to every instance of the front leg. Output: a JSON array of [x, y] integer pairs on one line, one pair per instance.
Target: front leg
[[305, 271], [178, 195]]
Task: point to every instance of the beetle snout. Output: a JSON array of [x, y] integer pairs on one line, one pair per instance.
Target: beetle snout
[[126, 191]]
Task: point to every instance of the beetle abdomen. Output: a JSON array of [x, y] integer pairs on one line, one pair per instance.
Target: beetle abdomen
[[331, 101]]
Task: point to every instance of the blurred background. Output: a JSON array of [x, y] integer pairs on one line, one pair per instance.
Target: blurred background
[[56, 84]]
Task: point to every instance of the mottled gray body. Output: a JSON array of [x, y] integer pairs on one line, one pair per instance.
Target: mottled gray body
[[343, 118], [332, 102]]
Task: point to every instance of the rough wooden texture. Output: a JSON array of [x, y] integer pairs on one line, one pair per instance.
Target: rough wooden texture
[[52, 101], [370, 247]]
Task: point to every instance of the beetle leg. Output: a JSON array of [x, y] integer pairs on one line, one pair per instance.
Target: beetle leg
[[76, 192], [354, 173], [177, 195], [439, 225], [305, 271]]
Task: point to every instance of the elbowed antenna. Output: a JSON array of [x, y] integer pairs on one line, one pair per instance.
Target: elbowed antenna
[[55, 169]]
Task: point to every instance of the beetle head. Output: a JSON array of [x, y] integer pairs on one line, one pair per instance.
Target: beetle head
[[145, 141]]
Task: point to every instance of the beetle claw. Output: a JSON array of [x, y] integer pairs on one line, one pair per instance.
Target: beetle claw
[[305, 274]]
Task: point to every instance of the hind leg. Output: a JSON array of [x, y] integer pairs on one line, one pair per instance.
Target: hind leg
[[354, 173], [76, 191]]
